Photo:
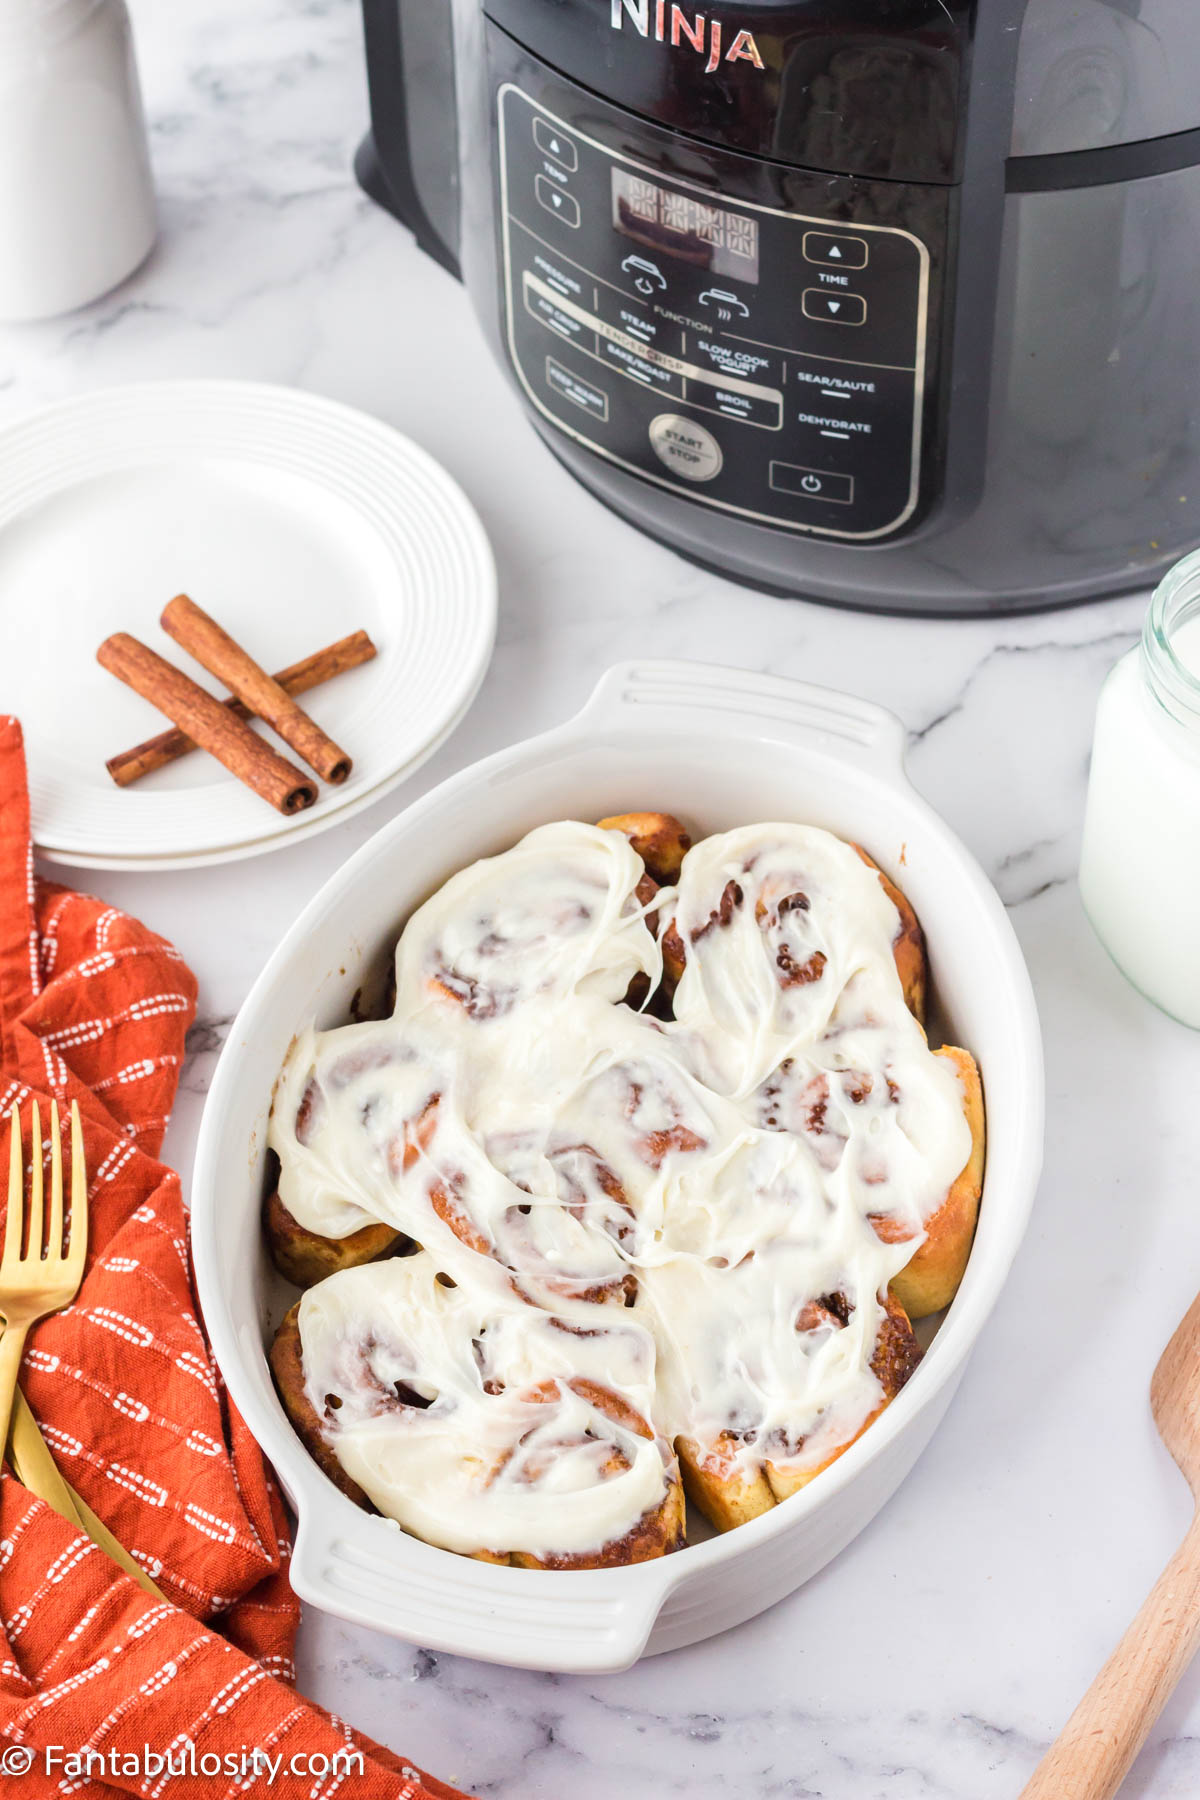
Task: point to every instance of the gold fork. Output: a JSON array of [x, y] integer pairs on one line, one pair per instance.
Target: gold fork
[[33, 1284]]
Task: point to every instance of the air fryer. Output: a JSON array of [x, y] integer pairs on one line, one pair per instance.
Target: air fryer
[[890, 303]]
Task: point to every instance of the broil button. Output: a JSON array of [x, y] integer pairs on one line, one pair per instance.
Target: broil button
[[686, 448]]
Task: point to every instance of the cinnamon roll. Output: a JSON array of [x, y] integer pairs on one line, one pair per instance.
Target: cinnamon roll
[[659, 839], [304, 1257], [480, 1422], [681, 1166]]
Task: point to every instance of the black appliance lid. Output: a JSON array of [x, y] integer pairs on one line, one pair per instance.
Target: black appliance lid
[[861, 87]]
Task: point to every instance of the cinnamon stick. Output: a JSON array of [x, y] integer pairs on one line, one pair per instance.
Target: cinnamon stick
[[312, 671], [207, 722], [223, 656]]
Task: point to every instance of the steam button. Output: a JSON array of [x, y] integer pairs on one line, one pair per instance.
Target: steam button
[[553, 142], [686, 448], [556, 200]]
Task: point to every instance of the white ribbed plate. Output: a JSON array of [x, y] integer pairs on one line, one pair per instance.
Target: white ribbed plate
[[294, 520]]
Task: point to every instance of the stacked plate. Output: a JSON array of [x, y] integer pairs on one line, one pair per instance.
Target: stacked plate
[[294, 521]]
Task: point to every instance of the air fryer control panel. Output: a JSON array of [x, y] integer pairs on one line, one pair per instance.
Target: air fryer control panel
[[762, 360]]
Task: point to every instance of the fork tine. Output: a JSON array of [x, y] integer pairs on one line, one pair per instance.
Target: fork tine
[[14, 1223], [54, 1235], [79, 1195], [34, 1253]]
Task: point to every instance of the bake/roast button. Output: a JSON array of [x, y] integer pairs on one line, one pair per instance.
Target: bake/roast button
[[835, 250], [642, 369], [833, 307], [685, 448]]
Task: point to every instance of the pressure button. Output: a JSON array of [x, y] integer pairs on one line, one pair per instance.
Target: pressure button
[[686, 448]]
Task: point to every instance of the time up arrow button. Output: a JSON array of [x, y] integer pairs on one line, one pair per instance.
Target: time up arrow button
[[837, 248]]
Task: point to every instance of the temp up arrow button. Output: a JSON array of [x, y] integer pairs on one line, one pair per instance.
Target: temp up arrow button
[[834, 308], [552, 142]]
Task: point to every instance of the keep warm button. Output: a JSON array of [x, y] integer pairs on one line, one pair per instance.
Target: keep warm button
[[815, 484]]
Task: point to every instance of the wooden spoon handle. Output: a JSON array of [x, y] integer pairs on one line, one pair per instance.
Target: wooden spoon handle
[[1102, 1737]]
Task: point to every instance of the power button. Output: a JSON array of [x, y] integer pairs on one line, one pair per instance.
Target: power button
[[815, 484]]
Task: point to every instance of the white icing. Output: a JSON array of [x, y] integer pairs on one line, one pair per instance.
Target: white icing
[[556, 1152], [475, 1469]]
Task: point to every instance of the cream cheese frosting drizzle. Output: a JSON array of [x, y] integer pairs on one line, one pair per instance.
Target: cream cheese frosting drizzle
[[659, 1231]]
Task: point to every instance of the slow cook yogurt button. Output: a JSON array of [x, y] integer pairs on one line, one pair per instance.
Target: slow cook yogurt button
[[686, 448]]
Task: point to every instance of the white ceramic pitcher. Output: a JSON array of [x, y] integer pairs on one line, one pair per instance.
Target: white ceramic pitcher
[[76, 200]]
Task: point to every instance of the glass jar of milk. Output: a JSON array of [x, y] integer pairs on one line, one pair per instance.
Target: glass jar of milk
[[1140, 869]]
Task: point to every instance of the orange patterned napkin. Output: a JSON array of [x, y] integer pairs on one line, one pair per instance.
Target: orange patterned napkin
[[93, 1007]]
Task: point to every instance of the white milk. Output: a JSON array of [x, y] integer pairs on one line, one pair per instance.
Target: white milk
[[1140, 868]]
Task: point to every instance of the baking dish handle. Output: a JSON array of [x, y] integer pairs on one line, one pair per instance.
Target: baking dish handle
[[848, 727], [378, 1576]]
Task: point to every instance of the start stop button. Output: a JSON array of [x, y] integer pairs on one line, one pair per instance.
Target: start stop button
[[686, 448]]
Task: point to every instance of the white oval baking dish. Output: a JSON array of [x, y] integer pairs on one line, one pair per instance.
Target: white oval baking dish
[[721, 747]]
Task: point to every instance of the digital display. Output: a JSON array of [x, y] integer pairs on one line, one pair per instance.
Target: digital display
[[681, 225]]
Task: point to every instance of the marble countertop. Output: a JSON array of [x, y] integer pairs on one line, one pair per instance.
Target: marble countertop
[[938, 1655]]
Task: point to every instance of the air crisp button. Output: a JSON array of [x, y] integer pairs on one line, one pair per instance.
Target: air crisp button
[[833, 307], [835, 251]]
